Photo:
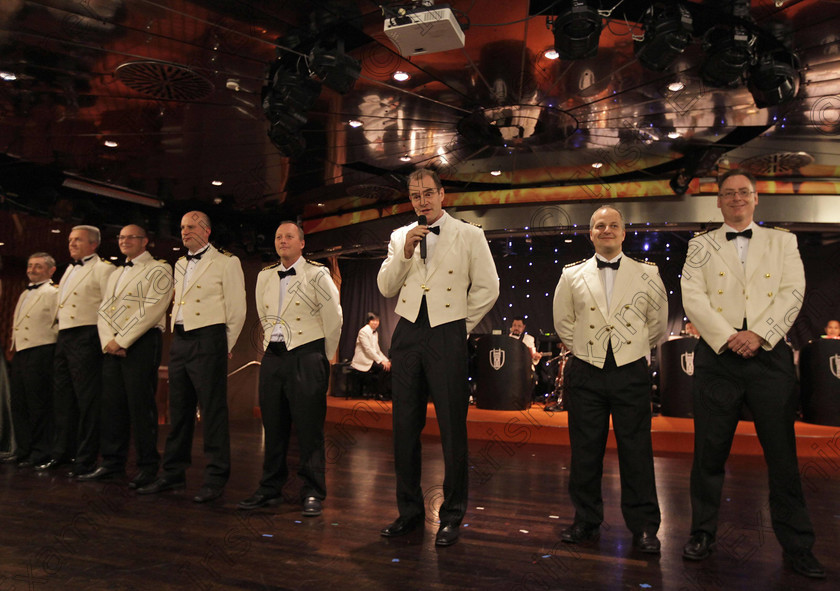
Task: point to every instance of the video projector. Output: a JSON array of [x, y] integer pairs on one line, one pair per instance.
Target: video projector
[[425, 30]]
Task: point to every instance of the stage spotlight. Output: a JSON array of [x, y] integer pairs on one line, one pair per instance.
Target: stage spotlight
[[668, 29], [729, 52], [334, 68], [290, 94], [774, 79], [577, 30]]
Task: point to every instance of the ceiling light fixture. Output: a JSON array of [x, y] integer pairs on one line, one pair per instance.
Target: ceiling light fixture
[[668, 29], [110, 144], [354, 123], [674, 135], [551, 54], [405, 158], [495, 172], [729, 47], [774, 79], [217, 183], [334, 68], [577, 30], [401, 76], [597, 164], [676, 86], [8, 76]]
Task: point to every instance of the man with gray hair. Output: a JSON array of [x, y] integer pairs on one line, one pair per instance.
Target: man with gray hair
[[77, 381], [33, 340]]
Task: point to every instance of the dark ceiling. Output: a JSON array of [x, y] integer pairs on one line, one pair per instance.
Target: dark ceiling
[[178, 85]]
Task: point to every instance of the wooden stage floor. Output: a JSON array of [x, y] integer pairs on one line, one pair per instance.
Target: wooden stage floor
[[64, 535]]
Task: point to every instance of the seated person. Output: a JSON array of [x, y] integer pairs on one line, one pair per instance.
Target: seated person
[[369, 361], [832, 330]]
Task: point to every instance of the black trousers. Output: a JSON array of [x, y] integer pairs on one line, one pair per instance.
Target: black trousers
[[129, 385], [293, 390], [592, 395], [767, 385], [77, 396], [426, 362], [31, 402], [198, 379]]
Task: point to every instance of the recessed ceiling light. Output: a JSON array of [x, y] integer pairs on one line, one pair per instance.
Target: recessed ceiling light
[[568, 241], [2, 244], [55, 231], [676, 86], [320, 204], [495, 172], [8, 76], [674, 134], [217, 200], [110, 144], [551, 54], [217, 183], [406, 158], [597, 164], [401, 76], [176, 248], [354, 123]]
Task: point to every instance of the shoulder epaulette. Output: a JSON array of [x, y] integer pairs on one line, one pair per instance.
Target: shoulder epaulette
[[700, 233], [315, 263], [224, 252], [106, 261], [162, 261], [781, 229], [472, 224], [575, 264], [271, 266], [641, 261]]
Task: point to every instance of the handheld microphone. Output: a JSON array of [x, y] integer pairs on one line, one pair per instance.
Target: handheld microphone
[[421, 221]]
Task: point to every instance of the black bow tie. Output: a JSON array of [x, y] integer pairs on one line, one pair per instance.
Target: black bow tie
[[283, 274], [435, 230], [74, 263], [128, 264], [603, 264], [194, 256], [746, 234], [34, 286]]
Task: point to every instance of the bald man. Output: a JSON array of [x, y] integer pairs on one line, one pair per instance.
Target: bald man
[[207, 317], [130, 325]]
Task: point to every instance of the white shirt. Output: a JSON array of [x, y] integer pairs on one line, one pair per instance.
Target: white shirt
[[66, 281], [188, 271], [432, 238], [608, 275], [277, 333], [742, 243]]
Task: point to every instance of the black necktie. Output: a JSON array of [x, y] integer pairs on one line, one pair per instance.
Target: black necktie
[[74, 263], [283, 274], [603, 264], [128, 264], [746, 234], [435, 230]]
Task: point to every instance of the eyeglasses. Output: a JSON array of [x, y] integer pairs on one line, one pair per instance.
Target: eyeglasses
[[426, 194], [730, 193], [129, 237]]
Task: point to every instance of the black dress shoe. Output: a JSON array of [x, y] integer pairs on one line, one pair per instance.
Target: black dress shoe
[[699, 546], [806, 564], [142, 479], [77, 471], [447, 534], [208, 493], [403, 525], [160, 485], [580, 532], [9, 459], [647, 542], [102, 473], [311, 507], [49, 465], [257, 500]]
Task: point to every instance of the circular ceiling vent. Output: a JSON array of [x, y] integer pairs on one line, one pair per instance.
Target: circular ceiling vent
[[163, 80], [777, 163]]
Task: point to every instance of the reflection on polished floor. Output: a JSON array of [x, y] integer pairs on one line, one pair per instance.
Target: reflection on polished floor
[[59, 534]]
